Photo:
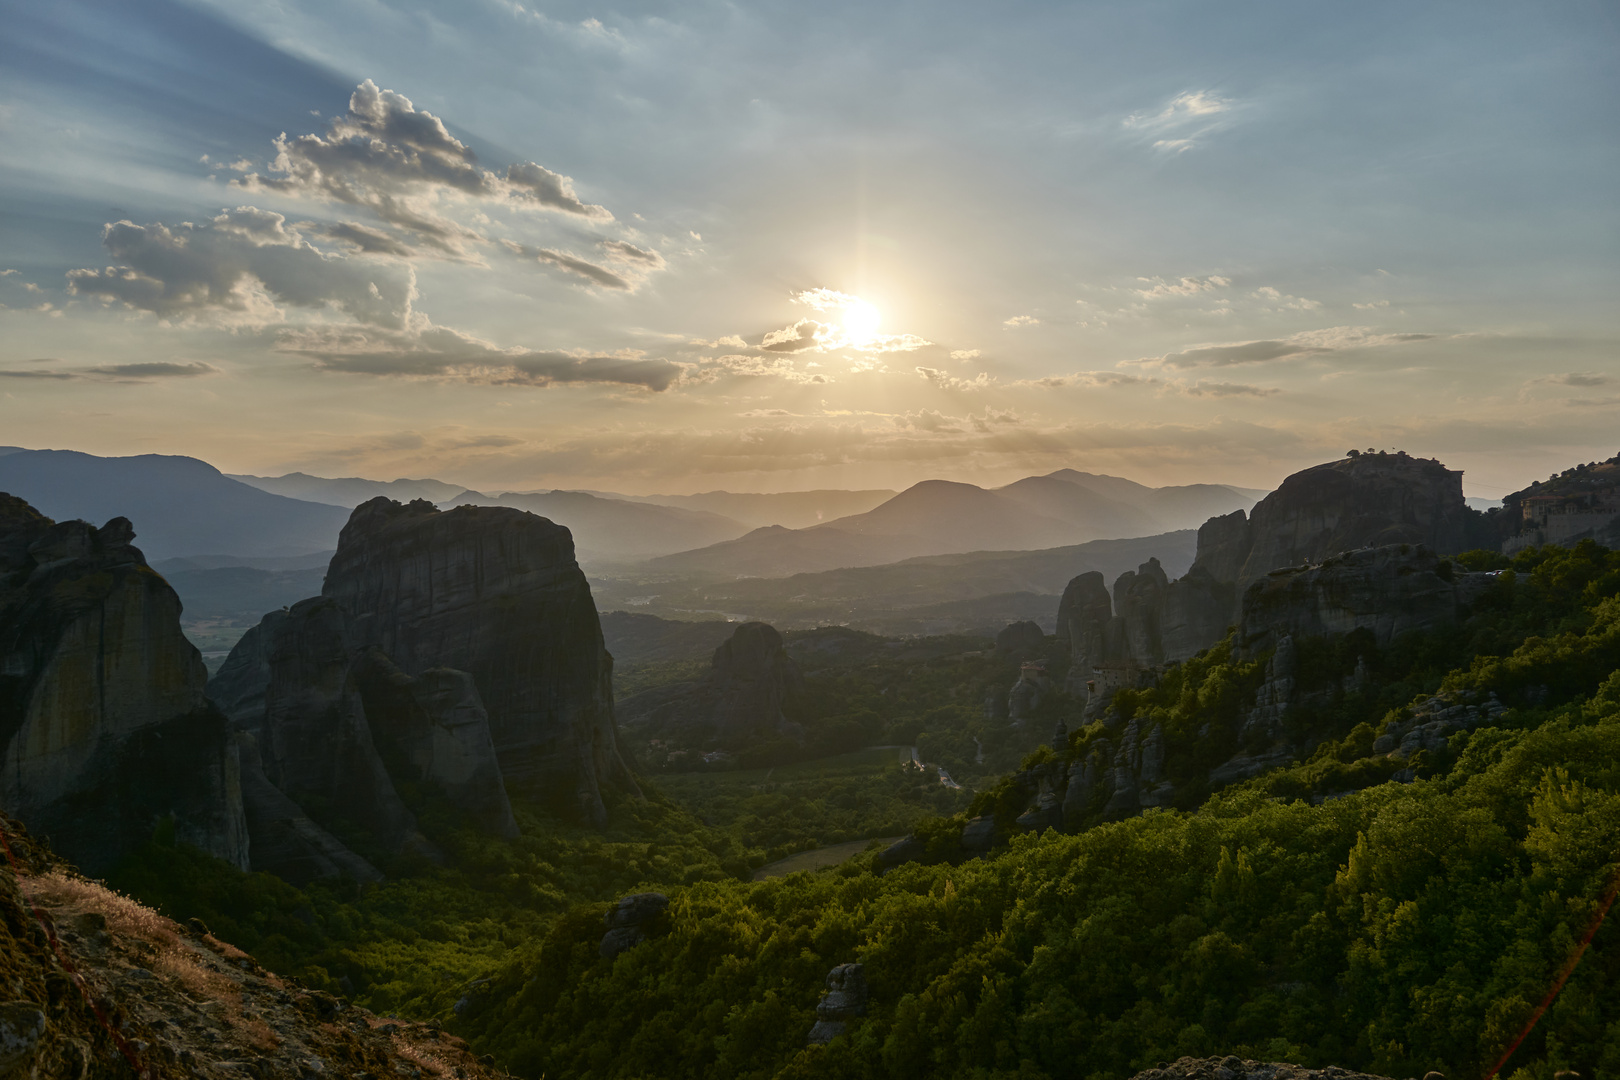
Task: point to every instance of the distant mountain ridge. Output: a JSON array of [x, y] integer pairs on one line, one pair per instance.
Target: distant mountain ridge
[[942, 517], [349, 491], [611, 530], [186, 506]]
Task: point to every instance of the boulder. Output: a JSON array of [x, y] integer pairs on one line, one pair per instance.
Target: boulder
[[105, 732], [630, 920], [845, 1000]]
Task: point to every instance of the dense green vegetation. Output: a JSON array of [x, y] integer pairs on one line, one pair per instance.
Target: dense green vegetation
[[1319, 913]]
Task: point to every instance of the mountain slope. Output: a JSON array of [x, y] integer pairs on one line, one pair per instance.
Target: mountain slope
[[184, 507], [791, 509], [349, 491], [611, 530]]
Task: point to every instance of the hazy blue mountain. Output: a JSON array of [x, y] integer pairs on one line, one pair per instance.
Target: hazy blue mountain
[[242, 594], [926, 595], [612, 530], [180, 506], [790, 509], [350, 491], [939, 517]]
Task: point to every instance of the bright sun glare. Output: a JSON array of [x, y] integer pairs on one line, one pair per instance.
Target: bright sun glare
[[861, 321]]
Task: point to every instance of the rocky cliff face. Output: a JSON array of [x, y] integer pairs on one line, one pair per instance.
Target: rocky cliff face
[[494, 592], [738, 703], [1366, 500], [104, 729]]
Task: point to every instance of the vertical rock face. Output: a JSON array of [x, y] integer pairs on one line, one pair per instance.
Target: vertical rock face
[[104, 729], [1362, 501], [494, 592], [434, 728], [315, 738]]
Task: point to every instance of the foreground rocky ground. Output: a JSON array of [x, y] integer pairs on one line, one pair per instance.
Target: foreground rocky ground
[[93, 984]]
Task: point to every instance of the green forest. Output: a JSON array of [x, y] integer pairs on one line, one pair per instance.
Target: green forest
[[1322, 913]]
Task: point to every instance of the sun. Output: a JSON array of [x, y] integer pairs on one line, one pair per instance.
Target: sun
[[861, 321]]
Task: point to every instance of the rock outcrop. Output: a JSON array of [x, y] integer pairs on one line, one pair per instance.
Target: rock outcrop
[[630, 921], [1389, 591], [459, 650], [740, 702], [1364, 500], [1236, 1068], [104, 729], [1021, 640], [95, 985], [845, 1000], [494, 592]]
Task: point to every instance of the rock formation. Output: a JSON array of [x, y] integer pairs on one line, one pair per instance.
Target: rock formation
[[104, 729], [630, 921], [1233, 1067], [1389, 590], [494, 592], [455, 649], [845, 1000], [1364, 500], [434, 728], [740, 701], [1022, 640]]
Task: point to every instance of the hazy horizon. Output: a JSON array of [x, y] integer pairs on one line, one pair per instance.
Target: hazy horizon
[[666, 249]]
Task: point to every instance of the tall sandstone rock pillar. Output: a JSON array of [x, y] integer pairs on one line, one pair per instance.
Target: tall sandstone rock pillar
[[104, 731], [494, 592]]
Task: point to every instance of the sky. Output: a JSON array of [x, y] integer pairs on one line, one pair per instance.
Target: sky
[[666, 248]]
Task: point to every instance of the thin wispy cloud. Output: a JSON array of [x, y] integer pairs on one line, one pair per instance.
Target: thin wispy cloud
[[1181, 123], [1308, 343]]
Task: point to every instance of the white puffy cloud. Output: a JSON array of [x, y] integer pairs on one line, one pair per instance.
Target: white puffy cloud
[[1279, 300], [1181, 123], [239, 267], [946, 381], [964, 354], [397, 161], [1021, 320], [1156, 288]]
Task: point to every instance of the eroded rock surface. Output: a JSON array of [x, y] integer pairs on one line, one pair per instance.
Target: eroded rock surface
[[101, 986], [494, 592], [1236, 1068], [104, 729], [630, 921], [845, 1000]]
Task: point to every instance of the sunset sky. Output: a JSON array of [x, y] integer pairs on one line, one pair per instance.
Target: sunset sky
[[678, 247]]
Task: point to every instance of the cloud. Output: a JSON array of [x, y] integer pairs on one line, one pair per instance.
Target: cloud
[[1181, 123], [1159, 289], [389, 157], [1089, 378], [802, 336], [449, 355], [238, 267], [154, 370], [531, 183], [365, 239], [730, 341], [113, 372], [1022, 320], [573, 264], [1577, 378], [1371, 305], [946, 381], [779, 367], [964, 354], [1204, 388], [1266, 294], [1295, 346], [629, 253]]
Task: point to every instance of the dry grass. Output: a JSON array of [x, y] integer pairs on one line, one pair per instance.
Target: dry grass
[[124, 916]]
